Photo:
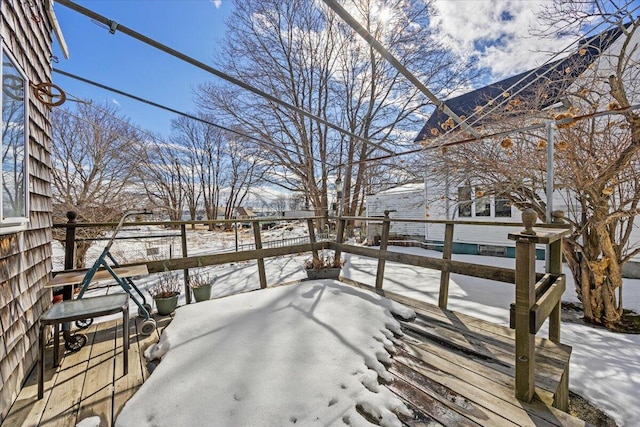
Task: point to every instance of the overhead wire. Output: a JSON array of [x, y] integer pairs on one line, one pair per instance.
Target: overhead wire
[[464, 124], [115, 26], [512, 95], [373, 42], [563, 121], [174, 111]]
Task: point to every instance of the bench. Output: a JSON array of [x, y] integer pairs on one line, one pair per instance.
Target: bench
[[74, 277]]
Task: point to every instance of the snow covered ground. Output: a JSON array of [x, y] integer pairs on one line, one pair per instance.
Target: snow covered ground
[[605, 367]]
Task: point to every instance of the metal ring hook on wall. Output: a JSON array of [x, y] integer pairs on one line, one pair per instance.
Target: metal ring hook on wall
[[49, 94]]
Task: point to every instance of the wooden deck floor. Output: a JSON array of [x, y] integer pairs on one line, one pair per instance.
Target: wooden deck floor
[[456, 370], [451, 370], [87, 383]]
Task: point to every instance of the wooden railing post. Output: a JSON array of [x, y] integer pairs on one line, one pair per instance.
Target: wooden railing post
[[443, 296], [339, 236], [69, 251], [183, 237], [384, 240], [525, 299], [258, 241], [312, 237], [554, 266]]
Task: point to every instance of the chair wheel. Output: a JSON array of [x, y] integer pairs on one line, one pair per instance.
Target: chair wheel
[[147, 327], [84, 323], [75, 342], [141, 312]]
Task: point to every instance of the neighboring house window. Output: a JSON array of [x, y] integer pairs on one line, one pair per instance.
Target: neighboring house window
[[503, 207], [14, 196], [482, 204], [464, 202]]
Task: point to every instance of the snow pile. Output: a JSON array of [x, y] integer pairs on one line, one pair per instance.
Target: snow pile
[[306, 354]]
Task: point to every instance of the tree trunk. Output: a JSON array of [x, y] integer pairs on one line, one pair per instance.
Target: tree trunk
[[596, 280]]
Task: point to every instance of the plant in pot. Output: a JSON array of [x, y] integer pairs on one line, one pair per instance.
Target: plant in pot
[[324, 267], [165, 293], [201, 286]]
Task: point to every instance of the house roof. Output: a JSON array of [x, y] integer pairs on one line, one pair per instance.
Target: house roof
[[556, 77], [245, 212]]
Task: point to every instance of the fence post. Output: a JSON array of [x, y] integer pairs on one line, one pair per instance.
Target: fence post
[[384, 239], [258, 243], [339, 236], [554, 267], [69, 251], [312, 237], [525, 298], [443, 296], [183, 238]]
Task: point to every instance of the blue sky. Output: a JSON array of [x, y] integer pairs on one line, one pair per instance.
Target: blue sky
[[496, 32], [191, 26]]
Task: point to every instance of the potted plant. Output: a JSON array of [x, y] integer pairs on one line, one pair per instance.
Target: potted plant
[[323, 267], [201, 286], [165, 293]]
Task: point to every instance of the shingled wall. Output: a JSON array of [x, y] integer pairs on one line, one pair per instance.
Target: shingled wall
[[25, 257]]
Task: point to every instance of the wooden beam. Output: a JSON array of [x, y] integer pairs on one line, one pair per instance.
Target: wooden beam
[[258, 241], [525, 298], [229, 257], [443, 296], [546, 304], [183, 242], [499, 274], [384, 240], [73, 277]]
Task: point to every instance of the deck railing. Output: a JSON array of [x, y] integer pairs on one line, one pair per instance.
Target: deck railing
[[537, 295]]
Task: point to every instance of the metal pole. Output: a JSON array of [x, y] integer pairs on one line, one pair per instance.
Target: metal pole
[[548, 214]]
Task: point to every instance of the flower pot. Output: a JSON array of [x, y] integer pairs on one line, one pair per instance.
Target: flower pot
[[166, 305], [202, 293], [324, 273]]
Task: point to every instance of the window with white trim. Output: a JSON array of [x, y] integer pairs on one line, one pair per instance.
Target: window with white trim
[[14, 209]]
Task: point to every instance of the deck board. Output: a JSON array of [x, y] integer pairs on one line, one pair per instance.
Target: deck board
[[98, 388]]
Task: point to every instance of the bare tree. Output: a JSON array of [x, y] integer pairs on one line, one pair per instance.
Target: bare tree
[[162, 175], [243, 169], [303, 54], [94, 155], [596, 161], [205, 145]]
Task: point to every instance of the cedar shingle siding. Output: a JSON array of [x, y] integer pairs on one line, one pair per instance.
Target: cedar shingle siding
[[25, 257]]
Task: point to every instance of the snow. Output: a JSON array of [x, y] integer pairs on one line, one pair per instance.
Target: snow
[[288, 350], [89, 422], [273, 357]]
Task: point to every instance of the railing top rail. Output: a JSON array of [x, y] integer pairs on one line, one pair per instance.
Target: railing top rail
[[455, 222], [176, 223]]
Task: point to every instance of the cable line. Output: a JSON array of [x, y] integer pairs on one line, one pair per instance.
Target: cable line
[[172, 110], [114, 26], [373, 42]]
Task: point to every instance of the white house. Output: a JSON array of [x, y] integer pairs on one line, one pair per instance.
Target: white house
[[439, 197]]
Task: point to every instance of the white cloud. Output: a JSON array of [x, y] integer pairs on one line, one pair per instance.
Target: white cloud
[[498, 33], [216, 3]]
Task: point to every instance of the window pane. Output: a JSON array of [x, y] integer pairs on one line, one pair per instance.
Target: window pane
[[13, 141], [464, 208], [503, 208], [483, 206]]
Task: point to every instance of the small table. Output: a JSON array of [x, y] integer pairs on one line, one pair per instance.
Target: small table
[[81, 309]]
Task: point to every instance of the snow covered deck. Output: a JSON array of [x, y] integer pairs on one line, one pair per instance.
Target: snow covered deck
[[450, 369]]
